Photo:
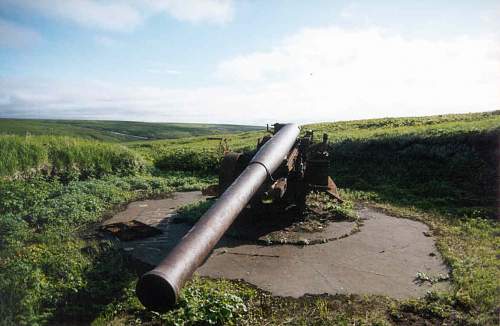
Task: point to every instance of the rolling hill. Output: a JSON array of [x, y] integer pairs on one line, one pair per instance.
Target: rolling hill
[[116, 131]]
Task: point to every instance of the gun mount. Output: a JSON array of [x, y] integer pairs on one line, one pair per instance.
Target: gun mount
[[305, 168], [282, 169]]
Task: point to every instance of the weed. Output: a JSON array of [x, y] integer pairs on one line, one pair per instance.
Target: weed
[[422, 277], [191, 213]]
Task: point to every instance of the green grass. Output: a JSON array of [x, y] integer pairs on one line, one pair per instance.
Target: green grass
[[222, 302], [439, 170], [200, 154], [469, 246], [203, 302], [115, 131], [65, 157], [48, 271], [446, 163]]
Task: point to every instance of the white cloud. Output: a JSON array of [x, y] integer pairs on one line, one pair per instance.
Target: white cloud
[[13, 35], [322, 74], [491, 16], [117, 15], [336, 73]]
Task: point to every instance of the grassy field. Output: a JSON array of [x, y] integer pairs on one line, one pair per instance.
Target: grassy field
[[440, 170], [115, 131]]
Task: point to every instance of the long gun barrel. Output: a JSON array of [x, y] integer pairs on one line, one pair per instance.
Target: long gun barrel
[[158, 289]]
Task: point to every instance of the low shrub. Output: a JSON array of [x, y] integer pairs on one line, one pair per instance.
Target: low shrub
[[204, 161], [47, 271]]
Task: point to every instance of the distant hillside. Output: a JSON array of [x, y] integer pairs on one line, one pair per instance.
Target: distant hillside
[[115, 130]]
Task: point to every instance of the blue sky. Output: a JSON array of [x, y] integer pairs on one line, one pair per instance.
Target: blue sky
[[248, 62]]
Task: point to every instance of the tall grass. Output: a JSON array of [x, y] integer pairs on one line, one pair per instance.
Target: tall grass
[[68, 158], [446, 162]]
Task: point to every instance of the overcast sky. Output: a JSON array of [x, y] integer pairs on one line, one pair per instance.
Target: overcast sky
[[248, 61]]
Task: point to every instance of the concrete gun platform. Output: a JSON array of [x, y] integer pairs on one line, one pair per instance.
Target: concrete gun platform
[[383, 258]]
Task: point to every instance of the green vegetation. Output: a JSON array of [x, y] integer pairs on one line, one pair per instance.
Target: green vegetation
[[221, 302], [191, 213], [55, 269], [194, 153], [441, 171], [323, 208], [64, 157], [444, 163], [49, 268], [469, 246], [202, 302], [115, 130]]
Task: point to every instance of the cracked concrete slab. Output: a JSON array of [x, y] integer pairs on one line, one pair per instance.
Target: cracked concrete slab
[[155, 212], [382, 258]]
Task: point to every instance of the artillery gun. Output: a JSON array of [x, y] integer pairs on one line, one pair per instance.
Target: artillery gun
[[281, 171]]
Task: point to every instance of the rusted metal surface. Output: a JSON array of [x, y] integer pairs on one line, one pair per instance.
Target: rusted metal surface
[[130, 230], [212, 191], [332, 190], [158, 289], [228, 170], [279, 187], [292, 158]]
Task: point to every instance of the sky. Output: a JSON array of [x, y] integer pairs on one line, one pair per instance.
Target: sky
[[247, 61]]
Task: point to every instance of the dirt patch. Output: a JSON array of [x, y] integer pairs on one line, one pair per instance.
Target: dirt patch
[[384, 257]]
